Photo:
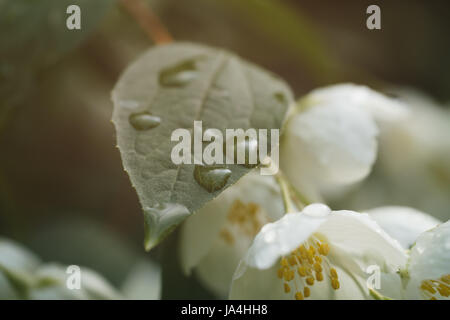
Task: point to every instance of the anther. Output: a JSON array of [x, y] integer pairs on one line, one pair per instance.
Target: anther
[[317, 267], [335, 283], [287, 288], [280, 273], [319, 276], [301, 271], [333, 273], [306, 292], [298, 296]]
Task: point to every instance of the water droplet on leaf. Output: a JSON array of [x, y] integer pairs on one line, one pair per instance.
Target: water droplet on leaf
[[144, 121], [178, 75], [212, 178]]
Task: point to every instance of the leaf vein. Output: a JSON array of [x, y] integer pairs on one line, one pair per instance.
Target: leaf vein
[[200, 110]]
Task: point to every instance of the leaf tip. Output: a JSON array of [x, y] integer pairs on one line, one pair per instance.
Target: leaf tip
[[160, 221]]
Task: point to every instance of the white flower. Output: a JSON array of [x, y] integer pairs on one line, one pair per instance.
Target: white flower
[[143, 282], [213, 240], [403, 223], [320, 254], [51, 284], [23, 276], [383, 109], [330, 136], [429, 265], [414, 158], [15, 265]]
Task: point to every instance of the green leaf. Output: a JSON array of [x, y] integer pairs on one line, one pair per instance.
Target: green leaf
[[170, 87]]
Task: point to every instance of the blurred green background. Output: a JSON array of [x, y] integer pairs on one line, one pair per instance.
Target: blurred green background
[[63, 191]]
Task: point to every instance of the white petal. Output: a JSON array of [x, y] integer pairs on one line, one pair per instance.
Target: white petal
[[358, 234], [201, 230], [143, 281], [329, 143], [429, 258], [17, 264], [403, 223], [281, 237], [96, 286], [355, 269], [215, 271], [15, 257], [383, 109], [329, 138], [251, 283], [423, 135], [414, 158]]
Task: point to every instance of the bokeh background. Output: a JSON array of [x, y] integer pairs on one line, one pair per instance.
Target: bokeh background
[[63, 191]]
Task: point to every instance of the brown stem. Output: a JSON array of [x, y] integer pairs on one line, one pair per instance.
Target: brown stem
[[148, 20]]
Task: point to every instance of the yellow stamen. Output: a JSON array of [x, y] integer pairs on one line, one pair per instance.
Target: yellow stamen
[[301, 271], [298, 296], [303, 252], [319, 276], [291, 275], [431, 288], [280, 273], [333, 273], [335, 283], [444, 290], [305, 265], [306, 292], [286, 275], [242, 220], [427, 286], [317, 267], [326, 249], [287, 288], [292, 260], [446, 279]]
